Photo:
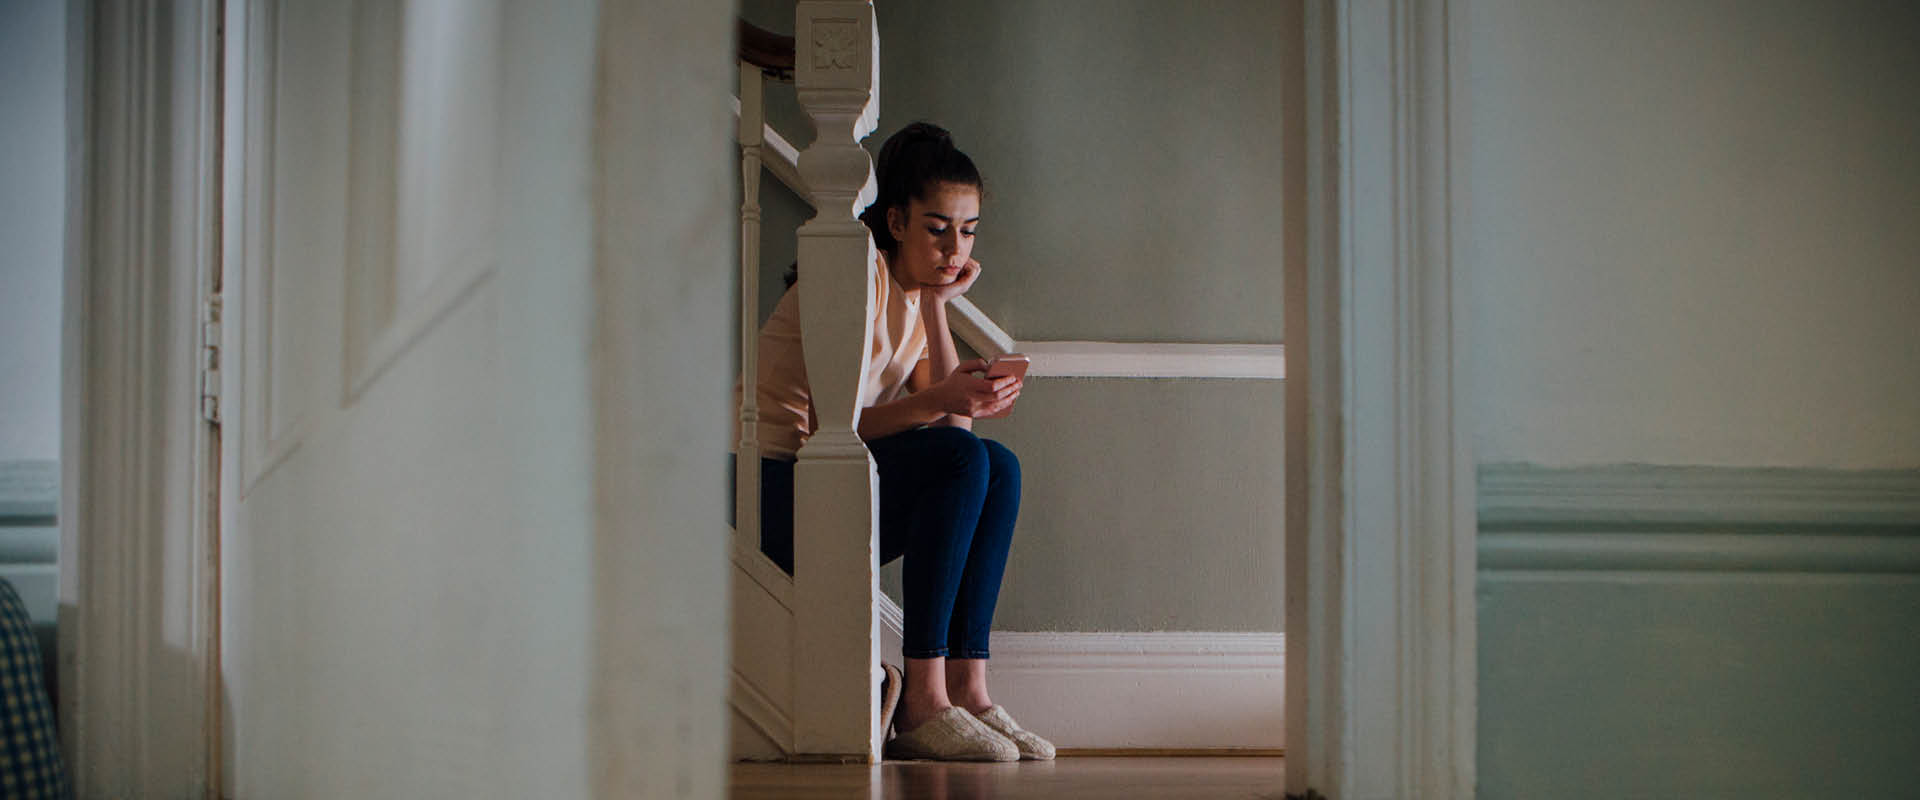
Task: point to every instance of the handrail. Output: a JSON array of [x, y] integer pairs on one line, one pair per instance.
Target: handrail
[[780, 157], [771, 52]]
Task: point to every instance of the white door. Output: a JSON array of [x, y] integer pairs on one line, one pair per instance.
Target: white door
[[425, 548]]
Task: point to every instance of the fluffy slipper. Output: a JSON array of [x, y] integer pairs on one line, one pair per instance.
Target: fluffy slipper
[[952, 735], [891, 682], [1032, 748]]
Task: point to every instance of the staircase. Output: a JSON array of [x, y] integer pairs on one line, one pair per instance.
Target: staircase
[[804, 684]]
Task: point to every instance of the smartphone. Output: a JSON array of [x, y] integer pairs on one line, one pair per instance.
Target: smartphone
[[1011, 364]]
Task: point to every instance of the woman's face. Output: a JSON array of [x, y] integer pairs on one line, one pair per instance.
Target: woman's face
[[935, 235]]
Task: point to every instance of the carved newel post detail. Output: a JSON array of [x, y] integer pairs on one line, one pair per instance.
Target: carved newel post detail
[[836, 498]]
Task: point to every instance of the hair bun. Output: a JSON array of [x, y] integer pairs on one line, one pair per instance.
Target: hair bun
[[917, 132]]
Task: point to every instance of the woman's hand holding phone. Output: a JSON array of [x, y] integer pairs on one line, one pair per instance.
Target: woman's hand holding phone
[[1008, 365], [975, 395]]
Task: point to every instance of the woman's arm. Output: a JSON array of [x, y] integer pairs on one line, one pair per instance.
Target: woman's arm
[[961, 395], [958, 396], [942, 358], [903, 414]]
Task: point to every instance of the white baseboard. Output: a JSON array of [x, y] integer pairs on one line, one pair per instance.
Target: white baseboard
[[1171, 691], [1145, 690], [1136, 691]]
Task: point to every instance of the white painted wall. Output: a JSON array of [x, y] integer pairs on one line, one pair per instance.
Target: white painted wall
[[33, 161], [1693, 231]]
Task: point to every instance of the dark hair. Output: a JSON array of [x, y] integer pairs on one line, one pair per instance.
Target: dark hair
[[913, 161]]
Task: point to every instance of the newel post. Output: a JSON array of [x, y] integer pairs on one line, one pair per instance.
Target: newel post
[[836, 500]]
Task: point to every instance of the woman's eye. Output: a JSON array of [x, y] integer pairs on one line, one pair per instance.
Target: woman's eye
[[968, 234], [937, 231]]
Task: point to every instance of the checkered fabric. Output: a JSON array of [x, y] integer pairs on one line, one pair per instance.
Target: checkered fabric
[[29, 749]]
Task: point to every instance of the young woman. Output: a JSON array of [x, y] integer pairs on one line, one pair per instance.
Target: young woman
[[948, 499]]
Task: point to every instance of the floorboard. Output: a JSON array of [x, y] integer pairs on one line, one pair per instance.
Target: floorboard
[[1065, 778]]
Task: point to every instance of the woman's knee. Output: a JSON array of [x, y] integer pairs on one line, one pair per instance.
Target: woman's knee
[[963, 453], [1001, 460]]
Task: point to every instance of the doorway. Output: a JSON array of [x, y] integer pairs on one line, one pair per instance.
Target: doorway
[[1378, 286]]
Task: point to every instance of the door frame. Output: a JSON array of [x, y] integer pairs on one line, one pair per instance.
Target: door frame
[[1381, 522], [138, 629]]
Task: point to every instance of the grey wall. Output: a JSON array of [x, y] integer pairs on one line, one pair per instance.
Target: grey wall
[[1130, 154], [1130, 150], [33, 163], [1690, 230], [33, 200], [1149, 505], [1693, 233]]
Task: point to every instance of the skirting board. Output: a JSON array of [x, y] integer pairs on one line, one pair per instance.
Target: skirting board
[[1167, 691], [1135, 691], [1102, 692]]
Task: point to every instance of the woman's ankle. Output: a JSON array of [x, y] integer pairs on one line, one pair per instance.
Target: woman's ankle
[[914, 712], [925, 695], [976, 703], [967, 685]]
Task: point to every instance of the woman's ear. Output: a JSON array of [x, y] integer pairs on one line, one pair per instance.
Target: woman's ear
[[897, 223]]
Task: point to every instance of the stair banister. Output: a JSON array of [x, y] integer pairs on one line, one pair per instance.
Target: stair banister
[[746, 497], [836, 498], [765, 50]]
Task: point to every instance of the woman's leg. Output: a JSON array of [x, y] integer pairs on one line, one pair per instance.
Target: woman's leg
[[979, 589], [933, 485], [776, 511]]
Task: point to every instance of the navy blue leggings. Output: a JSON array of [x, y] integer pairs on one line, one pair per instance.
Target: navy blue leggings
[[948, 500]]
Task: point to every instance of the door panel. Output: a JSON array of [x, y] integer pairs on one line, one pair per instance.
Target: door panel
[[425, 165], [406, 602], [281, 296]]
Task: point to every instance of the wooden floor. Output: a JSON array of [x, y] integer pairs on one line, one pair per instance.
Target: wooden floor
[[1065, 778]]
